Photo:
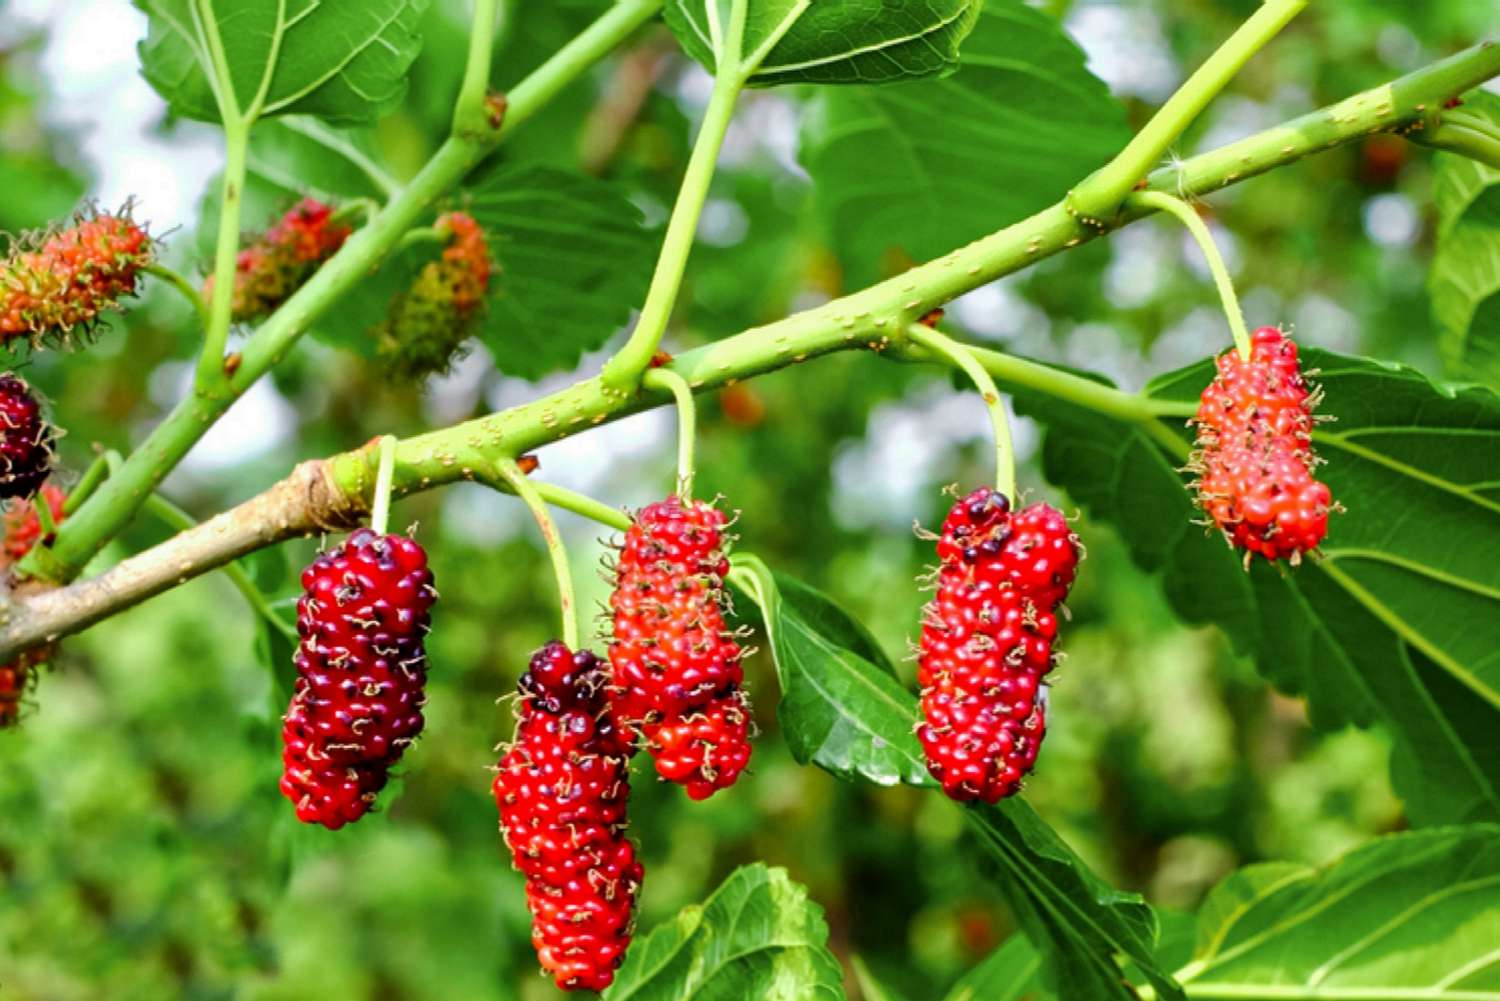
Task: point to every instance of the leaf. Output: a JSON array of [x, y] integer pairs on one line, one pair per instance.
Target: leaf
[[871, 989], [927, 166], [1407, 916], [851, 718], [574, 254], [856, 41], [1464, 277], [757, 936], [838, 709], [1399, 622], [303, 156], [344, 61], [1010, 973]]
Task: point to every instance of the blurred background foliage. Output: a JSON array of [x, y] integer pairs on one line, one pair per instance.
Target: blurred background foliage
[[145, 852]]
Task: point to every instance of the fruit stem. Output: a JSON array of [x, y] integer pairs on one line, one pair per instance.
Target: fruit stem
[[381, 511], [424, 234], [88, 483], [43, 509], [183, 286], [515, 482], [179, 520], [1195, 225], [960, 356], [1098, 196], [580, 504], [687, 423], [1453, 137], [623, 372]]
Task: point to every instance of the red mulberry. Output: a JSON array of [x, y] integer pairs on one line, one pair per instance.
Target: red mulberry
[[361, 666], [1255, 459], [71, 277], [429, 322], [676, 668], [23, 529], [562, 788], [987, 641], [25, 439], [268, 271]]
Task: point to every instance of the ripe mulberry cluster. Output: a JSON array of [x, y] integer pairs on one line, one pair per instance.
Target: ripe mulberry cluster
[[55, 283], [676, 667], [429, 322], [562, 788], [25, 439], [361, 668], [987, 641], [268, 271], [1254, 459], [23, 529]]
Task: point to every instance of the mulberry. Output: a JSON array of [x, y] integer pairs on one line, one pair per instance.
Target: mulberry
[[361, 669], [66, 280], [429, 322], [25, 439], [268, 271], [1255, 459], [676, 668], [23, 529], [562, 788], [987, 640]]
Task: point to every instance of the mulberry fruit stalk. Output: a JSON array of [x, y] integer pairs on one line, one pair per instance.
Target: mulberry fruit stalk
[[361, 668], [51, 284], [986, 643], [269, 270], [430, 320], [562, 788], [677, 679], [23, 529], [1254, 458], [25, 439]]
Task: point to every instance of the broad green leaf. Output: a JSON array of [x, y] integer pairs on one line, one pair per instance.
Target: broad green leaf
[[851, 718], [813, 41], [757, 936], [838, 708], [302, 156], [344, 61], [1010, 973], [1414, 915], [573, 256], [1399, 622], [1464, 277], [920, 168]]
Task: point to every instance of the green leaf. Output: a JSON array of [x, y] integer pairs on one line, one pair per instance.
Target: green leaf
[[303, 156], [1399, 622], [757, 936], [924, 167], [1464, 277], [841, 710], [1010, 973], [1408, 916], [851, 718], [574, 255], [344, 61], [871, 989], [856, 41]]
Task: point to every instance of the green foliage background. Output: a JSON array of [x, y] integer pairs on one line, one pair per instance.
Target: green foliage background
[[144, 850]]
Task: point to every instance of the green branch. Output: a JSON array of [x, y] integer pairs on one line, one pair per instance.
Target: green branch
[[1452, 137], [1096, 198], [211, 376], [109, 510], [470, 113]]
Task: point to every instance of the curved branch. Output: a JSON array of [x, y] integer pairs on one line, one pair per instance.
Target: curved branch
[[333, 493]]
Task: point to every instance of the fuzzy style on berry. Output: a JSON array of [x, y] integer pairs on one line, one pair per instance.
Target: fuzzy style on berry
[[361, 668], [562, 788], [54, 284], [429, 322], [23, 529], [987, 640], [25, 439], [1255, 460], [270, 269], [676, 667]]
